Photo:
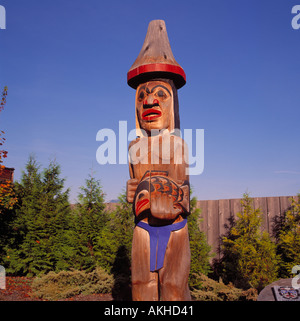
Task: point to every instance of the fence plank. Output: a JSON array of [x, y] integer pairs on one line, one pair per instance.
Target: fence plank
[[204, 220], [285, 204], [213, 225], [235, 207], [261, 204], [273, 205], [224, 221], [224, 216]]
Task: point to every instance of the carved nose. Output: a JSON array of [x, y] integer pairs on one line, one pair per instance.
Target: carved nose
[[150, 102]]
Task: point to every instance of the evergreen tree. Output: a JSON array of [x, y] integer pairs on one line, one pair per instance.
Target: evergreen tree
[[198, 244], [250, 258], [91, 218], [114, 248], [28, 193], [42, 217], [117, 233], [288, 245]]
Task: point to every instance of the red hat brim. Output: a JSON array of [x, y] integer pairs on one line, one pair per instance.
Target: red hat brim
[[148, 72]]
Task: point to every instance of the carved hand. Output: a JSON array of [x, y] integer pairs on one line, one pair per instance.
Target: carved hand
[[130, 189]]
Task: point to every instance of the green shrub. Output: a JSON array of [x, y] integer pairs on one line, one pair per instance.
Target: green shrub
[[40, 240], [210, 290], [112, 248], [200, 250], [288, 245], [250, 258], [56, 286]]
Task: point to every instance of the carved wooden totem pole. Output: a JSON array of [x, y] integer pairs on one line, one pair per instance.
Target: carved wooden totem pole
[[159, 183]]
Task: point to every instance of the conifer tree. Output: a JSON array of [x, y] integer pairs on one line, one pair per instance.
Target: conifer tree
[[114, 248], [250, 258], [42, 217], [117, 233], [288, 245], [91, 218], [28, 193], [199, 247]]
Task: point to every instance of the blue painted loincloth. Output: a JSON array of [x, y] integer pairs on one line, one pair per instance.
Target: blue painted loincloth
[[159, 238]]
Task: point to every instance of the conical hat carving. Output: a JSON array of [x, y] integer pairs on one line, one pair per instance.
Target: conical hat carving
[[156, 59]]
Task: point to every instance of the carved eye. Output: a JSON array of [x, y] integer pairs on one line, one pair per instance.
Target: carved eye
[[141, 95], [161, 94]]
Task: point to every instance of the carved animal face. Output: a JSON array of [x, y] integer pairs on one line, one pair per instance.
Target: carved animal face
[[154, 105], [156, 184]]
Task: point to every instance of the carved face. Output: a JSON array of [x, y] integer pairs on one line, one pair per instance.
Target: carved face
[[154, 106]]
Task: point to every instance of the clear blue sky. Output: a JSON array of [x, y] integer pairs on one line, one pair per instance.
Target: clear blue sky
[[65, 64]]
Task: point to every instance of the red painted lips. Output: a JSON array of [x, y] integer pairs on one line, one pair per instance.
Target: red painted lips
[[151, 114]]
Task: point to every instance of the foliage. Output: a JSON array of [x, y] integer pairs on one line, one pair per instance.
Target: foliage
[[114, 248], [288, 245], [41, 233], [117, 233], [198, 245], [65, 284], [3, 98], [210, 290], [250, 258], [40, 242], [90, 218], [7, 195]]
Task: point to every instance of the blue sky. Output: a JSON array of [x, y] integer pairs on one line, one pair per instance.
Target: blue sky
[[65, 64]]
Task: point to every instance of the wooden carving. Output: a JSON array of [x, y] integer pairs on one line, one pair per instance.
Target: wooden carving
[[159, 183]]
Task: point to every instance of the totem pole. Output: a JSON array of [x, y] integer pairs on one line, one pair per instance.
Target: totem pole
[[159, 183]]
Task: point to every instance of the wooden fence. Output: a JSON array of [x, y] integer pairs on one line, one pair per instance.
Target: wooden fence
[[218, 216]]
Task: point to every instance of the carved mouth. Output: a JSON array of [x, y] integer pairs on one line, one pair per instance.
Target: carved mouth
[[151, 114], [141, 204]]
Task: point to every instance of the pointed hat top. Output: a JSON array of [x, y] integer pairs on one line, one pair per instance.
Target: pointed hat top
[[156, 59]]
